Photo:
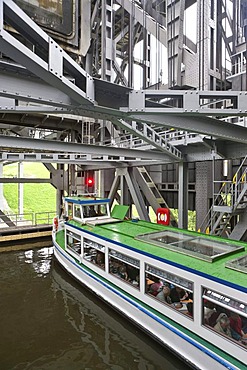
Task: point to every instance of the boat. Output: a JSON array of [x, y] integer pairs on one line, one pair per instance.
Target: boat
[[185, 289], [98, 323]]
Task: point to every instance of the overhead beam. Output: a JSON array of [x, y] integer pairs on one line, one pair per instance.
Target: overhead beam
[[96, 161], [188, 102], [24, 180], [55, 66], [58, 146], [30, 89], [202, 125]]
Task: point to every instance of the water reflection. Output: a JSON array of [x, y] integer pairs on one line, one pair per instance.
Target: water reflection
[[51, 322]]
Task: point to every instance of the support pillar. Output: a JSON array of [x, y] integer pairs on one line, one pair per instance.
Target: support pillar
[[203, 191], [1, 189], [183, 195], [20, 190]]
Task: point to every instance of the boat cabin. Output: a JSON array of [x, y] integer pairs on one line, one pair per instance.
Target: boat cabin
[[93, 211]]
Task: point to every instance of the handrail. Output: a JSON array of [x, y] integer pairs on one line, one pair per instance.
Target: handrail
[[31, 218], [236, 191]]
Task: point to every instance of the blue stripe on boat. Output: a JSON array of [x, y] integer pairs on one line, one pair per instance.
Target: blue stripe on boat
[[199, 273], [150, 314]]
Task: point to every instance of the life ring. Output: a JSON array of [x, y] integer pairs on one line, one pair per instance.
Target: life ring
[[55, 223]]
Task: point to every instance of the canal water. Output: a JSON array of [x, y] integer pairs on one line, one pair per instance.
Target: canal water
[[50, 322]]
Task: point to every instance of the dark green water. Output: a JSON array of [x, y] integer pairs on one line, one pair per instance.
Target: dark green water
[[49, 322]]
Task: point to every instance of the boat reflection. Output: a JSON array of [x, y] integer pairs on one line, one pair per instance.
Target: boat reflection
[[112, 339]]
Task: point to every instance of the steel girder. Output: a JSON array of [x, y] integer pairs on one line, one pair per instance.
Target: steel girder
[[187, 110], [52, 65], [10, 142], [104, 161]]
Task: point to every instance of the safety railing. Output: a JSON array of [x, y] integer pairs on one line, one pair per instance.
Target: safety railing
[[27, 219]]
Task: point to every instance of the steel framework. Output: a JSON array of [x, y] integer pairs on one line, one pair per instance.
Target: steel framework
[[84, 90]]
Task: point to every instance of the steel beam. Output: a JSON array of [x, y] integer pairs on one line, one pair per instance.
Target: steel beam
[[96, 161], [30, 89], [142, 16], [187, 102], [202, 125], [23, 180], [57, 146], [51, 67]]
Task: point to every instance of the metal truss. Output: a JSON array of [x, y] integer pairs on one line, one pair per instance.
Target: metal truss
[[105, 161], [57, 84], [37, 145], [47, 60]]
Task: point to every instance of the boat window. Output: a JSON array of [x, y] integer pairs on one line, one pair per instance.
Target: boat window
[[239, 264], [73, 242], [70, 210], [225, 315], [94, 252], [170, 289], [77, 210], [94, 210], [197, 246], [124, 267]]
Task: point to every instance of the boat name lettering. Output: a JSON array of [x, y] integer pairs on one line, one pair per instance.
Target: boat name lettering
[[91, 244], [124, 258], [73, 235], [188, 285], [225, 300]]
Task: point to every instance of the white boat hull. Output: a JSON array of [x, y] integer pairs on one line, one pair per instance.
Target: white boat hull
[[184, 346]]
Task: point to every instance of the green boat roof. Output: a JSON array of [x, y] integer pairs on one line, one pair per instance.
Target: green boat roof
[[125, 233]]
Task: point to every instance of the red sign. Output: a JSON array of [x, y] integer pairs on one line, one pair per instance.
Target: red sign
[[163, 216]]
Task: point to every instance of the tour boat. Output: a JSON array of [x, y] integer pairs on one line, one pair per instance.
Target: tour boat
[[185, 289]]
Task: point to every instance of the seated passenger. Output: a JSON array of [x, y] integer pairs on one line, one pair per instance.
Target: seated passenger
[[190, 309], [100, 259], [236, 326], [212, 319], [178, 294], [132, 273], [92, 212], [155, 288], [164, 295], [209, 310], [122, 272], [223, 325], [244, 322]]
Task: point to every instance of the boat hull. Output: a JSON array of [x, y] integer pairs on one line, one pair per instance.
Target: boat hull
[[184, 346]]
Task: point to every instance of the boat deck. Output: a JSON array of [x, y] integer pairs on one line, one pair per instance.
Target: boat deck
[[124, 233]]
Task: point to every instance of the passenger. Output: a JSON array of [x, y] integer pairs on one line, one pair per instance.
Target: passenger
[[114, 266], [155, 288], [132, 273], [190, 309], [92, 212], [136, 282], [244, 322], [100, 259], [223, 325], [209, 309], [178, 294], [236, 326], [122, 272], [164, 295]]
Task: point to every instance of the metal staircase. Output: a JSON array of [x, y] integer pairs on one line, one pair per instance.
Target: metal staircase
[[150, 136], [151, 192], [229, 207]]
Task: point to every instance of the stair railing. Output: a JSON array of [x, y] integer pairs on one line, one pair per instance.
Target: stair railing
[[231, 194]]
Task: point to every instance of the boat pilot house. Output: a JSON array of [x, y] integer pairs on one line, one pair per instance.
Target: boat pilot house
[[187, 290]]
